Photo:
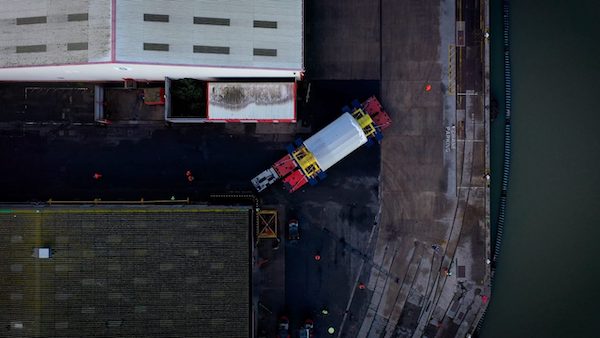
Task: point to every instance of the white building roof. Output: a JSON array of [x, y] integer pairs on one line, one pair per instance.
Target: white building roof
[[224, 32], [336, 141], [229, 34], [44, 32], [247, 101]]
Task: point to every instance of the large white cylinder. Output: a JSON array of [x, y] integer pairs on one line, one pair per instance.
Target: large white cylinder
[[336, 141]]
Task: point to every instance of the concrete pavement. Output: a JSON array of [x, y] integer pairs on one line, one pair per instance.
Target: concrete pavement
[[426, 274]]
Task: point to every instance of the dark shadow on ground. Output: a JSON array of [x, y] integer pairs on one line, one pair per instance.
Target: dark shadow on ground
[[336, 218]]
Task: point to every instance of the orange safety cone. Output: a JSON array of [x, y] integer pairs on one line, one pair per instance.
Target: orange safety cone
[[97, 176]]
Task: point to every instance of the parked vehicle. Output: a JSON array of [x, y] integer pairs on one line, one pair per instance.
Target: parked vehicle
[[283, 330], [293, 230], [307, 330]]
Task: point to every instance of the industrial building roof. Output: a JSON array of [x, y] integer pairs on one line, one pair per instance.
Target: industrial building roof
[[252, 101], [44, 32], [237, 33], [336, 141], [141, 271], [232, 34]]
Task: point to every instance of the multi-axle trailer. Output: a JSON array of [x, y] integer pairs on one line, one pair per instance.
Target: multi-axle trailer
[[307, 161]]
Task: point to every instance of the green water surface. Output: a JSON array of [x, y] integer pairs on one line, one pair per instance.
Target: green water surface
[[548, 275]]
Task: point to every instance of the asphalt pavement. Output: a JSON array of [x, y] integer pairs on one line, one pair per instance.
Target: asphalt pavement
[[43, 161], [371, 226]]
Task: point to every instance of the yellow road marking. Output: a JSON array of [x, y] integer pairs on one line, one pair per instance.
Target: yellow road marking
[[451, 70]]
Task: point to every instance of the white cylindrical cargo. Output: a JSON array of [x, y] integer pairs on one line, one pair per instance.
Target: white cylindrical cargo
[[336, 141]]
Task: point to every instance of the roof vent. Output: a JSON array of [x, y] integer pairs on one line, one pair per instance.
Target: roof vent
[[42, 253]]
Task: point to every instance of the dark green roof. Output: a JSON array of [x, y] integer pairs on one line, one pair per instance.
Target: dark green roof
[[126, 271]]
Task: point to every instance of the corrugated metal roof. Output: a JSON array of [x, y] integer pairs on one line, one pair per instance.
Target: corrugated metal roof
[[257, 34], [254, 101], [54, 23], [336, 141], [240, 25], [143, 271]]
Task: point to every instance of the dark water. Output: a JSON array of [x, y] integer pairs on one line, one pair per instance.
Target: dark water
[[548, 276]]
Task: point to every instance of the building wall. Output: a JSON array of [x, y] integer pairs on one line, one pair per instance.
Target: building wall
[[111, 72], [54, 30], [238, 35]]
